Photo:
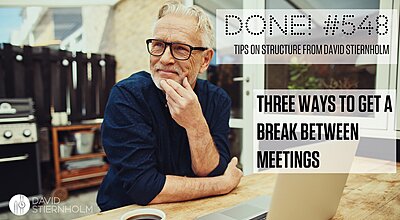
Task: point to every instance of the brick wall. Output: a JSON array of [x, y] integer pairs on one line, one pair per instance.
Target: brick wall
[[129, 24], [94, 19], [44, 32]]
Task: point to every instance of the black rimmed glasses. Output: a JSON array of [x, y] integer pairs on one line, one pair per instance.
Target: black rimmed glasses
[[179, 51]]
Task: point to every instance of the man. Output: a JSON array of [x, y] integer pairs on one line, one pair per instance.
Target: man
[[166, 133]]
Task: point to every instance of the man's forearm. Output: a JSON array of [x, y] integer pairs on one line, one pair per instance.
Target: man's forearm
[[185, 109], [204, 154], [177, 188]]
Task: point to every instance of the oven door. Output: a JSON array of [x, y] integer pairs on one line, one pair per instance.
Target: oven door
[[19, 171]]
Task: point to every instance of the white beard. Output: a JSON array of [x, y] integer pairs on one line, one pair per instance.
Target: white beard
[[156, 81]]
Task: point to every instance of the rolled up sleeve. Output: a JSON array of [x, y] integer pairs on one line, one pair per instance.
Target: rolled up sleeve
[[129, 143]]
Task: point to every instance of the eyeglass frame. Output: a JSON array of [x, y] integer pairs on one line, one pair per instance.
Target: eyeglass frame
[[169, 44]]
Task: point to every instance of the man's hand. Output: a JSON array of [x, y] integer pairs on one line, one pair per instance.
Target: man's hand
[[232, 175], [183, 103]]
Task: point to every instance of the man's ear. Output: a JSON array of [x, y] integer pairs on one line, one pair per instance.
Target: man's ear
[[207, 56]]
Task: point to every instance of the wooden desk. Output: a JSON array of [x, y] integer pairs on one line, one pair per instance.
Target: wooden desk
[[366, 196]]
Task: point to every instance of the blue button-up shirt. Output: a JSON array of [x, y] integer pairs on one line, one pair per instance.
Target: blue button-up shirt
[[143, 143]]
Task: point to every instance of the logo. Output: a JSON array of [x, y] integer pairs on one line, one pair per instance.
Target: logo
[[19, 204]]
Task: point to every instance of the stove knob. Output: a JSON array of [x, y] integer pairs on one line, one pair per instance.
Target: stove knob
[[8, 134], [27, 133]]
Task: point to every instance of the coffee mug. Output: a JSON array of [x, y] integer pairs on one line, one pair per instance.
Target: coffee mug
[[142, 214]]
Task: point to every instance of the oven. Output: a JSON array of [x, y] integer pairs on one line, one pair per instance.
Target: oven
[[19, 154]]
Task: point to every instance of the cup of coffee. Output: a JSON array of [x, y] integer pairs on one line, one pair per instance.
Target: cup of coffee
[[144, 214]]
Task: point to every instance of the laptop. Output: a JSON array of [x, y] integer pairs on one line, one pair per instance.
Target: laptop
[[301, 196], [296, 196]]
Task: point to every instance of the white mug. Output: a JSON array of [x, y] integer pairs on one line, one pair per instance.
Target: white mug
[[145, 213], [55, 119], [63, 118]]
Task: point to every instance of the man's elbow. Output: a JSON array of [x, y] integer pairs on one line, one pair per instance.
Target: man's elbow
[[219, 169], [145, 200], [207, 171], [146, 188], [143, 203], [201, 173]]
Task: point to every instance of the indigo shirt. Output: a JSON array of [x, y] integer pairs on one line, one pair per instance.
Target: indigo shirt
[[143, 143]]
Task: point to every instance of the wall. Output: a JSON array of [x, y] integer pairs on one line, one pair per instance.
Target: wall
[[94, 20], [44, 31], [129, 24]]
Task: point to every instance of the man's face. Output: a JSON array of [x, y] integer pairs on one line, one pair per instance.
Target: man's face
[[178, 29]]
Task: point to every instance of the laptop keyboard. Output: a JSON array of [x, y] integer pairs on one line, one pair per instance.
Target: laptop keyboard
[[261, 217]]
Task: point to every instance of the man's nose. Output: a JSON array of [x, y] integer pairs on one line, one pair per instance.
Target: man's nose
[[167, 57]]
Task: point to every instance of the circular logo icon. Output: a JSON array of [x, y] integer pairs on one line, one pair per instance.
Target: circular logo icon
[[19, 204]]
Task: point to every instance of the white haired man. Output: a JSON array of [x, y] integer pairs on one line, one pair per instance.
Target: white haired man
[[166, 133]]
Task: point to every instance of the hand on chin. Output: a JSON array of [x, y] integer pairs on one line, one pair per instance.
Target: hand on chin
[[175, 78]]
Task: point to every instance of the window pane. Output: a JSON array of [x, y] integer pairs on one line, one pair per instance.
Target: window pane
[[320, 76], [227, 76], [235, 139]]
